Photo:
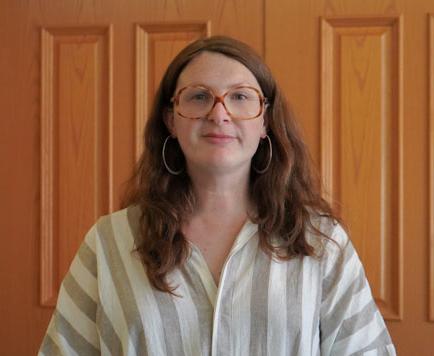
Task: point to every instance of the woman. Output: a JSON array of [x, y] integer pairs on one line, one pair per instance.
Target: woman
[[235, 251]]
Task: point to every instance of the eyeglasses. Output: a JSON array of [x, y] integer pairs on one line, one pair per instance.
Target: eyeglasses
[[241, 102]]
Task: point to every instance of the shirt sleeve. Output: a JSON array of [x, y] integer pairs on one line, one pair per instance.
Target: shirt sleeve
[[72, 329], [351, 323]]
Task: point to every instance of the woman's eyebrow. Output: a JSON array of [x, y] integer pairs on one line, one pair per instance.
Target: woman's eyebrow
[[223, 89]]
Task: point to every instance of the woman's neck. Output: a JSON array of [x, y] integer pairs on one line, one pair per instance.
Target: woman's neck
[[221, 196]]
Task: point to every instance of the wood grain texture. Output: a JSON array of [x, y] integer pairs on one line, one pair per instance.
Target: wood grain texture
[[156, 45], [48, 277], [431, 166], [75, 145], [24, 133], [361, 130]]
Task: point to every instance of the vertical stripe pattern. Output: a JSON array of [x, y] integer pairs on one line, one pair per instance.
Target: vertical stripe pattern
[[277, 311], [263, 306], [259, 304], [241, 306], [122, 284], [294, 288], [204, 308]]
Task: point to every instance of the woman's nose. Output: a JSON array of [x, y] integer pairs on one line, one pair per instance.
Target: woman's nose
[[219, 114]]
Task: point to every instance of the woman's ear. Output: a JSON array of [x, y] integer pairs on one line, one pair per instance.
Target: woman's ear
[[168, 121]]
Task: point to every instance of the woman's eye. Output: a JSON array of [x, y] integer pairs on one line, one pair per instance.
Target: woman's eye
[[239, 96], [199, 97]]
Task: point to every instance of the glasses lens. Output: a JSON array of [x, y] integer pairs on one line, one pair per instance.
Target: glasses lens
[[243, 103], [195, 102]]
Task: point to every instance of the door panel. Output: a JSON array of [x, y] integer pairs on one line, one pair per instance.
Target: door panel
[[76, 84], [77, 81], [361, 129], [357, 76], [431, 163]]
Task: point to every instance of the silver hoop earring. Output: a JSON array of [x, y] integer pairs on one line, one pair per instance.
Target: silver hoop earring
[[260, 171], [163, 153]]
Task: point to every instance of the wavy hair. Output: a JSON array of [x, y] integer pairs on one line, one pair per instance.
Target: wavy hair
[[287, 196]]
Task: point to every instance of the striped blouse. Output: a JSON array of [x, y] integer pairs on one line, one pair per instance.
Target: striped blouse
[[262, 306]]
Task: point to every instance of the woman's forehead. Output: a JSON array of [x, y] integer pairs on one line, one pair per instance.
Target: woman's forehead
[[216, 71]]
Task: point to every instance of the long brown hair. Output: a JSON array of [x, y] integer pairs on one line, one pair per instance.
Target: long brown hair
[[287, 196]]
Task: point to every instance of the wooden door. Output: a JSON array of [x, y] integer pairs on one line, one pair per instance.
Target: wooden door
[[76, 80], [360, 76]]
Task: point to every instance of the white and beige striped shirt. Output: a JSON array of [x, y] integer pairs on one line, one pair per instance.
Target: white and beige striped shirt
[[305, 306]]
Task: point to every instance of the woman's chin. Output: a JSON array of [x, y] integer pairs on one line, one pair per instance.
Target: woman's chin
[[220, 166]]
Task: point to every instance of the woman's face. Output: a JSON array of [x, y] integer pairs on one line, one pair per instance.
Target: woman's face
[[216, 143]]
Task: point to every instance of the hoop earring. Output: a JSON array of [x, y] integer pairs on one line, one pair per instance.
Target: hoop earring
[[260, 171], [163, 153]]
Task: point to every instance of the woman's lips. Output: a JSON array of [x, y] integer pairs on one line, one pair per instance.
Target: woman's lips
[[219, 138]]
